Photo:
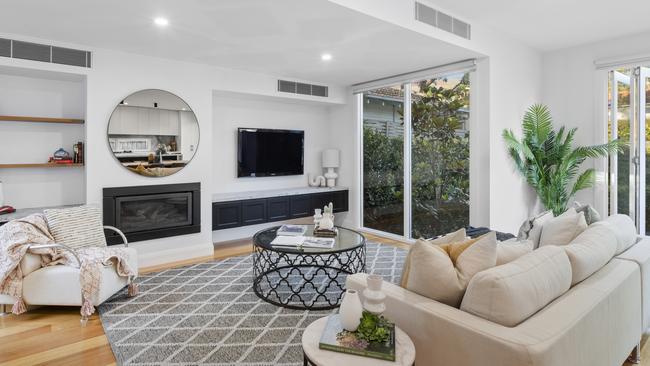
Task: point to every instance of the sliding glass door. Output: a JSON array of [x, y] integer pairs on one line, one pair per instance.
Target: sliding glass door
[[440, 155], [383, 159], [628, 118], [416, 156]]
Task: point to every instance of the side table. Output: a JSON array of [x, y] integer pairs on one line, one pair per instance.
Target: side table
[[312, 355]]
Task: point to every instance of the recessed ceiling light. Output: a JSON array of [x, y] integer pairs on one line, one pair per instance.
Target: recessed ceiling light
[[160, 21], [326, 57]]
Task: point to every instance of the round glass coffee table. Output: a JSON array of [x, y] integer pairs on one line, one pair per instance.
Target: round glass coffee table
[[306, 278]]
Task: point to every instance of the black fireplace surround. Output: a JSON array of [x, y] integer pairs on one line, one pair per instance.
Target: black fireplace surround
[[151, 212]]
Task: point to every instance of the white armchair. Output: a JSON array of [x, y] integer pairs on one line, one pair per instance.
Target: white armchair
[[59, 284]]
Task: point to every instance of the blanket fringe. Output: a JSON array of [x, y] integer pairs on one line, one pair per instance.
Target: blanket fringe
[[87, 309], [19, 306], [133, 289]]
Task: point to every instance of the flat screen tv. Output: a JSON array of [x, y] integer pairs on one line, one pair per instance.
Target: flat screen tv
[[264, 152]]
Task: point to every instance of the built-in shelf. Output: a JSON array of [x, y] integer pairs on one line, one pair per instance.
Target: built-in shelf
[[41, 119], [39, 165]]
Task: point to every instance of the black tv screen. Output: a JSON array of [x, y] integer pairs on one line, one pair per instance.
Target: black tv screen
[[264, 152]]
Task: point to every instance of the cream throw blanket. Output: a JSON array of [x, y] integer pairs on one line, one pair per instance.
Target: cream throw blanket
[[17, 235]]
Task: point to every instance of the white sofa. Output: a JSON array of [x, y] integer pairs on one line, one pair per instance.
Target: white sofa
[[598, 321]]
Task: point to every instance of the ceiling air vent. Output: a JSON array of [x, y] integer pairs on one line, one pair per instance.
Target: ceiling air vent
[[44, 53], [440, 20], [302, 88], [30, 51], [5, 47]]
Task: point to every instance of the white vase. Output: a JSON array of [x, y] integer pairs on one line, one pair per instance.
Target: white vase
[[317, 216], [350, 311], [373, 295]]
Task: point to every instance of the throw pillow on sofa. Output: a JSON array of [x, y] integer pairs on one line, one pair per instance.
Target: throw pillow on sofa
[[511, 293], [590, 251], [562, 229], [531, 229], [509, 250], [624, 230], [77, 227], [453, 237], [442, 272], [591, 215]]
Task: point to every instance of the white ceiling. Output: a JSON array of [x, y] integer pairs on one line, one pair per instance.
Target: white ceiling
[[555, 24], [279, 37]]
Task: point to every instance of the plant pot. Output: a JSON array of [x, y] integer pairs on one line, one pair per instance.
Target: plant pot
[[350, 311]]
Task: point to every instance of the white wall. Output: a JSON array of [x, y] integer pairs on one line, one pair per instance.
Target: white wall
[[231, 113], [344, 135], [577, 95], [35, 142]]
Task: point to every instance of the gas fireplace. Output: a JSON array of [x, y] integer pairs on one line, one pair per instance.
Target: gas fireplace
[[150, 212]]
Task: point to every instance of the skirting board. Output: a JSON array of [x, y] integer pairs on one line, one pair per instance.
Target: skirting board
[[167, 256]]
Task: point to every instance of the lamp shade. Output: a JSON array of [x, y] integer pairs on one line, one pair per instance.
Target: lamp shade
[[331, 158]]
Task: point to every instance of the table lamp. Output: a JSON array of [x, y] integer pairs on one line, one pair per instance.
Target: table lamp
[[331, 161]]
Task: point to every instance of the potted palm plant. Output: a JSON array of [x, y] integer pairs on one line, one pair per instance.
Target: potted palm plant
[[548, 161]]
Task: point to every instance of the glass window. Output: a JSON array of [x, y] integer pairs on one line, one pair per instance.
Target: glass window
[[383, 159], [440, 155]]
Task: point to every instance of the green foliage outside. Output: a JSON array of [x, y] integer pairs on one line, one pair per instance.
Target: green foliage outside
[[440, 165]]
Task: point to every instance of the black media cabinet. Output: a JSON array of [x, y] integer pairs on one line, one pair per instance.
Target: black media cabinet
[[236, 213]]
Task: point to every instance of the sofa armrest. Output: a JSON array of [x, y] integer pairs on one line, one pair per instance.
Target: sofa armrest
[[444, 335], [120, 233], [57, 246]]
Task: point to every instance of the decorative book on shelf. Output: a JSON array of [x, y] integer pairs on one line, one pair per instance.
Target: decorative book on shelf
[[336, 339]]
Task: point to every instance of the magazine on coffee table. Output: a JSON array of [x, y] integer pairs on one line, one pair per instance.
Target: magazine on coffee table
[[292, 230], [303, 241], [336, 339]]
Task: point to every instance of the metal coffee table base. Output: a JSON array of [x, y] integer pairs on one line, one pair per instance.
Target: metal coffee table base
[[304, 281]]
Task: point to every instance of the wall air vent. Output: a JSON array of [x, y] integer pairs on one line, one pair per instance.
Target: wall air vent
[[44, 53], [286, 86], [440, 20]]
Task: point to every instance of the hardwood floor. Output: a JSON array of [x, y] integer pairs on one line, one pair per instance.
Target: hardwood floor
[[53, 335]]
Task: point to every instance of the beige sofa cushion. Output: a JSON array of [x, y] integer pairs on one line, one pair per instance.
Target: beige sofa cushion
[[564, 228], [590, 251], [640, 255], [624, 230], [509, 250], [435, 271], [511, 293], [453, 237]]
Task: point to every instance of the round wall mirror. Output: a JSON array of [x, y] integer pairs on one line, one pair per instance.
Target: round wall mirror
[[153, 133]]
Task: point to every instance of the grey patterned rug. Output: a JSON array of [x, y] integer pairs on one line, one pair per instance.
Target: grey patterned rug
[[207, 314]]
